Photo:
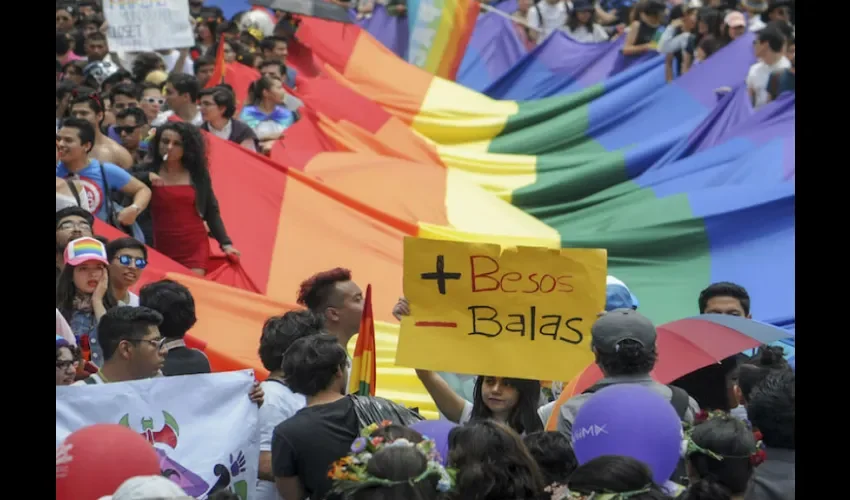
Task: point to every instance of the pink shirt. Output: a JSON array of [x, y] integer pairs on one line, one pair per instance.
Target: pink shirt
[[64, 330], [69, 57]]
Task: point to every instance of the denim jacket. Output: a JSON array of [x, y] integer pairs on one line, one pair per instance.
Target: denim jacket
[[84, 326]]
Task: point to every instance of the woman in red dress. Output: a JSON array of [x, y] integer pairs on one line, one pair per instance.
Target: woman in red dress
[[183, 197]]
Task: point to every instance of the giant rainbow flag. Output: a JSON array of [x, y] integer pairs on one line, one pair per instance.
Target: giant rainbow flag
[[682, 187]]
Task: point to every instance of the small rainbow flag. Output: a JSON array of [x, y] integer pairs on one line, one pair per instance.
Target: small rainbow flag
[[219, 70], [439, 33], [362, 381], [237, 75]]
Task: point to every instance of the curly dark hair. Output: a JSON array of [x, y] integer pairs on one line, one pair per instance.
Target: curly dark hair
[[194, 151], [553, 453], [492, 463], [280, 332], [75, 351]]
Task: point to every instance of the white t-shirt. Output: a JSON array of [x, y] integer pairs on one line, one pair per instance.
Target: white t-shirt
[[133, 300], [163, 117], [756, 24], [279, 404], [171, 58], [554, 16], [584, 35], [759, 76], [466, 414]]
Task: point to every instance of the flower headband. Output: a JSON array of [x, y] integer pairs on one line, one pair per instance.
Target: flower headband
[[574, 495], [756, 457], [352, 467]]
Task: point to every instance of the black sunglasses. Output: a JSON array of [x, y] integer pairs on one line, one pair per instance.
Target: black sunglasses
[[125, 129], [125, 260]]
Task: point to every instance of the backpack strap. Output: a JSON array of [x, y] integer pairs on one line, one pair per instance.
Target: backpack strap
[[680, 401], [595, 387]]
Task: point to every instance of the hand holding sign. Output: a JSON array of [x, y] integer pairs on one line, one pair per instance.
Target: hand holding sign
[[515, 312]]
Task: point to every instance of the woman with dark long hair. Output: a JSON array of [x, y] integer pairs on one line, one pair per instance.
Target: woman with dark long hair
[[183, 197], [512, 401], [82, 293], [581, 23]]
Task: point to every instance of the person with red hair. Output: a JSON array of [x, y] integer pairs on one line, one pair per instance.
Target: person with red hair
[[337, 298]]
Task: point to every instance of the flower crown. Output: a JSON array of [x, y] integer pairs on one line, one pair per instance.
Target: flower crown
[[574, 495], [756, 457], [352, 467]]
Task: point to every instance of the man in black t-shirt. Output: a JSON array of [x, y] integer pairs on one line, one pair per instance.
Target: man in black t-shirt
[[305, 445]]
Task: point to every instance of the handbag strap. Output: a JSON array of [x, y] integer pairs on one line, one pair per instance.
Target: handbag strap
[[74, 191]]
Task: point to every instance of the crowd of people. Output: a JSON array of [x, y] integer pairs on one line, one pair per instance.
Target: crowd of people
[[687, 32], [131, 152]]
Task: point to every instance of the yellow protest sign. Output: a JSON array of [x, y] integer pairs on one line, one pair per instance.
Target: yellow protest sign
[[522, 312]]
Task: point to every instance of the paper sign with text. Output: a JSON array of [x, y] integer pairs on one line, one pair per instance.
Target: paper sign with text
[[520, 312], [146, 25]]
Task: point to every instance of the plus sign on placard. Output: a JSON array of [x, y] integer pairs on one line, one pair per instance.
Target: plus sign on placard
[[440, 275]]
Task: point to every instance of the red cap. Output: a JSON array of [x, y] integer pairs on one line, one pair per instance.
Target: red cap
[[94, 461]]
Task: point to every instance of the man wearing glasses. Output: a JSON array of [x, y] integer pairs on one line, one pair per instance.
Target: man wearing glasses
[[133, 348], [128, 258], [71, 223]]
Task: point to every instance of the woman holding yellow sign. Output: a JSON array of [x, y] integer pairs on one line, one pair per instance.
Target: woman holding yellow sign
[[512, 401]]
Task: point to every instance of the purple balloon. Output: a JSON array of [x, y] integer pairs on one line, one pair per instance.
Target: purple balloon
[[629, 420], [438, 430]]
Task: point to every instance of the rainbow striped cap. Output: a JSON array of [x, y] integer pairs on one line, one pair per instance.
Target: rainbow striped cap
[[83, 250]]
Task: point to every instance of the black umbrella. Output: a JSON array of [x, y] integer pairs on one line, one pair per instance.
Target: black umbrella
[[312, 8]]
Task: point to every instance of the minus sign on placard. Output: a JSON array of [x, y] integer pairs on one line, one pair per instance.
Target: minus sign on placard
[[439, 324]]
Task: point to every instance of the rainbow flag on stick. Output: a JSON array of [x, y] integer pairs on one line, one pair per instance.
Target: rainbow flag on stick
[[362, 380], [219, 70], [439, 33]]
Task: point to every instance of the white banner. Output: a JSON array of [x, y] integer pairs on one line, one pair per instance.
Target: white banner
[[146, 25], [204, 427]]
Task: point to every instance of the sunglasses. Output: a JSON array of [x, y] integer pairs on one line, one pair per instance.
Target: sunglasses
[[125, 129], [125, 260], [155, 100]]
